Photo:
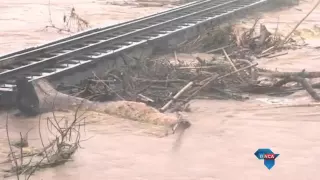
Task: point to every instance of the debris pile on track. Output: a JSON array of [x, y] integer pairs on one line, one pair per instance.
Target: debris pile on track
[[251, 44], [157, 81], [170, 83]]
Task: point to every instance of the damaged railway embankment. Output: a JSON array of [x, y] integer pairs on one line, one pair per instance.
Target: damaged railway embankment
[[223, 64]]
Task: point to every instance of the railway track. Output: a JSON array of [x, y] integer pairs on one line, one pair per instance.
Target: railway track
[[89, 48], [89, 31]]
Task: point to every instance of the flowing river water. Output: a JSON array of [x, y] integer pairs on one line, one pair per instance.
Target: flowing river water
[[219, 145]]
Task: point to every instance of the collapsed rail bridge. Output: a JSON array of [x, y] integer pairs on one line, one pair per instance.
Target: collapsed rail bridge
[[73, 59]]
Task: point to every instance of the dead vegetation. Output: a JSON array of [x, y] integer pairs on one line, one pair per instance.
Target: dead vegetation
[[25, 160], [72, 22], [167, 82], [64, 138], [65, 132]]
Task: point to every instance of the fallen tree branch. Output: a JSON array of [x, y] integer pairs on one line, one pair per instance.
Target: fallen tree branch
[[216, 77], [306, 85], [304, 74], [14, 159], [281, 43], [186, 87], [231, 62]]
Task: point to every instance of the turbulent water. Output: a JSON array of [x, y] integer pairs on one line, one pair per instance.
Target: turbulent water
[[219, 145]]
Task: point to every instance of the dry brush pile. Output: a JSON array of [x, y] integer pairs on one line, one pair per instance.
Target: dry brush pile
[[231, 73]]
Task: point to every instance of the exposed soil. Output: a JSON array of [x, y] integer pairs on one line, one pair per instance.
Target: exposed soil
[[224, 135]]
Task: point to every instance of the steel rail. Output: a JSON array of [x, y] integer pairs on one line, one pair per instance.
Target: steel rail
[[91, 54], [94, 46], [96, 31]]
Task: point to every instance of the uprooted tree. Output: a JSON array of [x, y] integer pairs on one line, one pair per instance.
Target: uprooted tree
[[65, 132]]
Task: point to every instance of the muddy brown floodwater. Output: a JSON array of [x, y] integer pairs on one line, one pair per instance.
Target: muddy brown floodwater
[[222, 140], [220, 145]]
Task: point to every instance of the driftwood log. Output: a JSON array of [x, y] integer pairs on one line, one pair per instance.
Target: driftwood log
[[299, 77], [40, 97], [289, 74]]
